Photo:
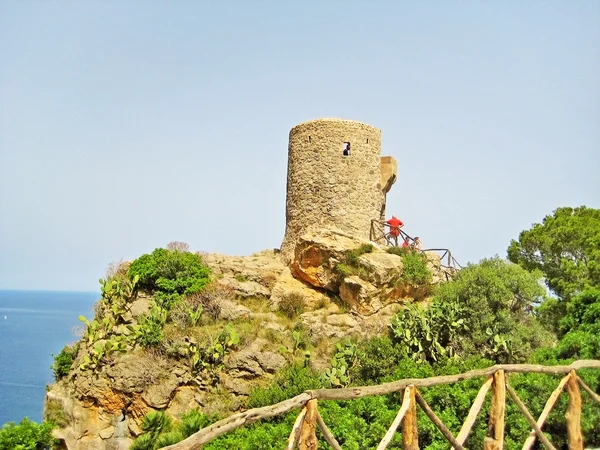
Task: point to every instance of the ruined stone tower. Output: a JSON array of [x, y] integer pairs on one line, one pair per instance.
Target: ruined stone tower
[[336, 179]]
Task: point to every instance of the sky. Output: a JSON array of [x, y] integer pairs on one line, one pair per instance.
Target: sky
[[127, 125]]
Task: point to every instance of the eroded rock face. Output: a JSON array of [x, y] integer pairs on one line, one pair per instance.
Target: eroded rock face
[[316, 254], [104, 410], [378, 276], [247, 276]]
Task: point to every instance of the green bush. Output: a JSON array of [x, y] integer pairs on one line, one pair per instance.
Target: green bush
[[159, 431], [430, 334], [399, 251], [415, 269], [27, 435], [288, 382], [170, 271], [497, 299], [193, 421], [63, 361], [378, 358], [149, 330]]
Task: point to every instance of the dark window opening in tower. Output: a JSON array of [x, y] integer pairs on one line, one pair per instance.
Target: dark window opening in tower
[[346, 149], [309, 139], [367, 140]]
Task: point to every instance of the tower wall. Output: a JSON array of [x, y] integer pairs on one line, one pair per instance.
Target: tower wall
[[327, 189]]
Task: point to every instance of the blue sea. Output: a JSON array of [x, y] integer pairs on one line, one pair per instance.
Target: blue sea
[[33, 326]]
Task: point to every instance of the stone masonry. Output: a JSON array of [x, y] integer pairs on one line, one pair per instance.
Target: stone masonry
[[325, 188]]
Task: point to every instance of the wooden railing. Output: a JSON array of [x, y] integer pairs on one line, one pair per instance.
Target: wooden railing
[[380, 234], [303, 433]]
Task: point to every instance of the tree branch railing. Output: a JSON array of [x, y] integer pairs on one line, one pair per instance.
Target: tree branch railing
[[303, 433], [379, 235]]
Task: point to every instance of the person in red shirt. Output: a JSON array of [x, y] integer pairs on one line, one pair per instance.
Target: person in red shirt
[[395, 225]]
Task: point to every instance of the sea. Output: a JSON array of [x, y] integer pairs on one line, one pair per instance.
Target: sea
[[34, 325]]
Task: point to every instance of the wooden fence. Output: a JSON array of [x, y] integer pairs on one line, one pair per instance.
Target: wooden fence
[[303, 433]]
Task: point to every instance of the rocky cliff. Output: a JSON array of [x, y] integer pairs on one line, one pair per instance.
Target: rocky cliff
[[258, 315]]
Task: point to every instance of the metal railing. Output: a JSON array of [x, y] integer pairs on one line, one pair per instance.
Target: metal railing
[[380, 234]]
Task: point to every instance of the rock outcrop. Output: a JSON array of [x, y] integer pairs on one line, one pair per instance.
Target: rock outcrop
[[323, 294]]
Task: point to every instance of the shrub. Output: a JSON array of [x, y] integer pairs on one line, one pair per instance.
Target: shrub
[[378, 358], [292, 304], [400, 251], [149, 330], [27, 435], [170, 438], [63, 361], [210, 299], [186, 314], [415, 269], [170, 271], [193, 421], [156, 422], [496, 299], [289, 382], [167, 300], [429, 334]]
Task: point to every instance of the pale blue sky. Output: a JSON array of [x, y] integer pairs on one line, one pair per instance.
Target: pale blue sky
[[126, 125]]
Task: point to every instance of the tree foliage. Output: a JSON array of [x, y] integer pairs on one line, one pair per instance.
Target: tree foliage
[[27, 435], [565, 247], [486, 310], [171, 272]]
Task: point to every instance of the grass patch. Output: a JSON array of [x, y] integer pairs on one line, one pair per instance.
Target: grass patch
[[292, 304], [350, 265]]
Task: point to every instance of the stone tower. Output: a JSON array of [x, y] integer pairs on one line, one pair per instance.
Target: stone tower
[[336, 179]]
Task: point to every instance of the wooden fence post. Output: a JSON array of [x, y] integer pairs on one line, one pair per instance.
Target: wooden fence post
[[495, 438], [573, 414], [308, 432], [410, 434]]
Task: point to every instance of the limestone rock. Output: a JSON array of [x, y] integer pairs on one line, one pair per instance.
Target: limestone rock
[[184, 399], [141, 305], [287, 285], [321, 324], [312, 255], [107, 432], [381, 267], [231, 310], [248, 276], [358, 293], [245, 288], [159, 395], [252, 362]]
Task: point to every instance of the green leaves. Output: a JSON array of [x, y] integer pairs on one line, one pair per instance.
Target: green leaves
[[211, 354], [171, 271], [63, 361], [27, 435], [565, 247], [429, 334], [341, 363]]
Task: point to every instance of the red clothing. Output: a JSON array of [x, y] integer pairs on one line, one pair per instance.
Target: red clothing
[[395, 225]]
